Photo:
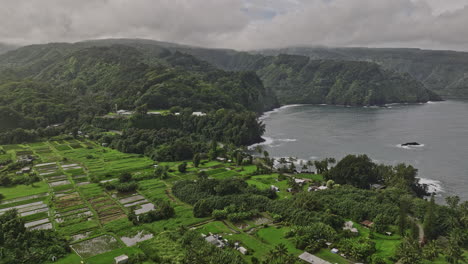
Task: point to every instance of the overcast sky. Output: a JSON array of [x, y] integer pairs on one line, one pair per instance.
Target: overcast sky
[[242, 24]]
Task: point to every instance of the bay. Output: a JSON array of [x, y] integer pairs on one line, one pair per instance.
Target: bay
[[311, 132]]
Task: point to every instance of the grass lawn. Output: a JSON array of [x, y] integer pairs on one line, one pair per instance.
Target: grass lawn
[[24, 190], [108, 257], [316, 177], [216, 227], [274, 236], [72, 258], [265, 181], [327, 255]]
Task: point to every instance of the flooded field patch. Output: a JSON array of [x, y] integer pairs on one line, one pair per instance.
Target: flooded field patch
[[133, 240], [95, 246]]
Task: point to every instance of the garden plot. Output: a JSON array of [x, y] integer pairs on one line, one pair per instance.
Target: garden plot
[[80, 179], [25, 207], [85, 215], [42, 150], [62, 203], [133, 200], [59, 183], [80, 236], [95, 246], [107, 209], [24, 153], [70, 166], [45, 169], [56, 178], [39, 224], [138, 203], [64, 192], [139, 237], [24, 198]]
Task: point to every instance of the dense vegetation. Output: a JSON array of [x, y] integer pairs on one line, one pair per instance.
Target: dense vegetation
[[443, 72], [295, 79], [19, 245], [79, 86], [298, 79], [318, 217]]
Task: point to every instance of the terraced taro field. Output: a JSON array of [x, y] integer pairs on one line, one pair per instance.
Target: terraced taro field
[[74, 203]]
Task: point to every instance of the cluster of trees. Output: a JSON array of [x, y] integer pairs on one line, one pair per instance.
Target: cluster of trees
[[222, 198], [8, 176], [188, 136], [125, 184], [199, 252], [360, 171], [20, 245]]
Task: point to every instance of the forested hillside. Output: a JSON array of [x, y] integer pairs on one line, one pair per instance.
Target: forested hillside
[[294, 79], [94, 80], [444, 72], [298, 79]]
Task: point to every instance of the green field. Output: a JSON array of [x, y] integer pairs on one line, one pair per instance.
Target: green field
[[24, 190]]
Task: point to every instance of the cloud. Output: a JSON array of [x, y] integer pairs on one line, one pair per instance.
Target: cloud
[[242, 24]]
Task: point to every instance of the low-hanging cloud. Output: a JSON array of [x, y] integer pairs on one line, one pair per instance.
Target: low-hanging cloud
[[242, 24]]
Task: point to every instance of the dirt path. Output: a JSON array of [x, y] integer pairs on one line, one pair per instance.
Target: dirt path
[[230, 228], [170, 195], [421, 229]]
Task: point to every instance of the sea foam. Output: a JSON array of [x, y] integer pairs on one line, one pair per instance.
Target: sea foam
[[433, 186]]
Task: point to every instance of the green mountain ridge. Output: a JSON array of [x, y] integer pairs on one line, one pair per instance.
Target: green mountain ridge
[[92, 81], [444, 72], [294, 79]]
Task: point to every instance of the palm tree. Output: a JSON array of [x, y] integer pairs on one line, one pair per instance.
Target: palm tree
[[310, 164], [431, 250], [258, 149], [278, 254]]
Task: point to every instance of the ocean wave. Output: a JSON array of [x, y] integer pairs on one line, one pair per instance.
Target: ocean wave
[[433, 186], [268, 114], [272, 142], [286, 140], [267, 141]]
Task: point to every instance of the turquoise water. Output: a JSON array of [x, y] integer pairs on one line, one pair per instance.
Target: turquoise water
[[315, 132]]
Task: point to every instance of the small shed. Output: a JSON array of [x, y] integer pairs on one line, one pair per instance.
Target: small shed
[[242, 250], [367, 223], [300, 181], [122, 259], [198, 114]]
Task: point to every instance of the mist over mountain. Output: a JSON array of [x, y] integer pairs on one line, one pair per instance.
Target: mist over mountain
[[7, 47]]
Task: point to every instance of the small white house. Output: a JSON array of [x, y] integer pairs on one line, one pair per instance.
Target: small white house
[[122, 259], [198, 114], [334, 250], [242, 250], [299, 181], [274, 188]]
